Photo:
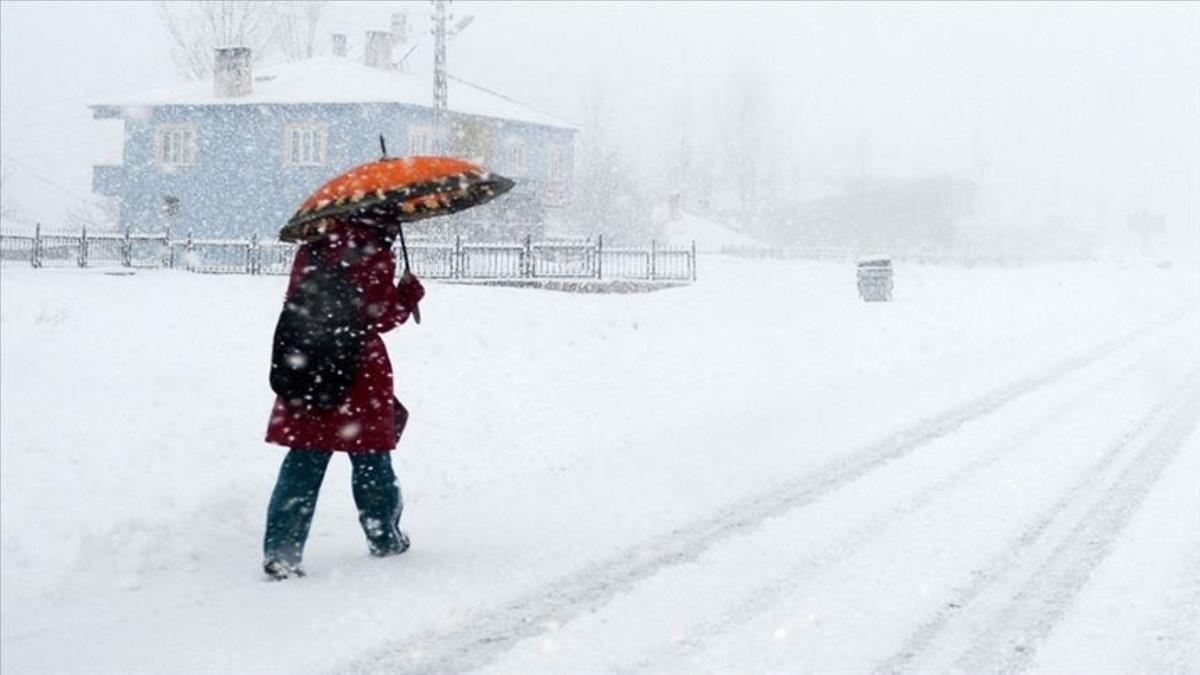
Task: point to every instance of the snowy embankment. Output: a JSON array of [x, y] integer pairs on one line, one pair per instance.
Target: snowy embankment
[[757, 471]]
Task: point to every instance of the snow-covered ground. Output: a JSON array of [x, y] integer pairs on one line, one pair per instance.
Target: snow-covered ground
[[709, 236], [755, 473]]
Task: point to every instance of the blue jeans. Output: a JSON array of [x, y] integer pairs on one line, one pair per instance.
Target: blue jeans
[[376, 494]]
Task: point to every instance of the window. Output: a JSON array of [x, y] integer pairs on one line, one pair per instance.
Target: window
[[421, 141], [558, 164], [515, 158], [557, 171], [175, 144], [305, 144]]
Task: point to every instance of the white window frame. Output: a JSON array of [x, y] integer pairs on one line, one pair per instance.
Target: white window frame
[[515, 155], [421, 140], [556, 165], [175, 145], [305, 144]]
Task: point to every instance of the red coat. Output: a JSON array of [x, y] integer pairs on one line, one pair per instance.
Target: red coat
[[366, 421]]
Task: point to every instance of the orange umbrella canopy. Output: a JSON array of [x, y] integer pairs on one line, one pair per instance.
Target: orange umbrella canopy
[[395, 190]]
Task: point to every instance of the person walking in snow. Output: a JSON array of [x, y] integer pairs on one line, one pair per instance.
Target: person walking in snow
[[340, 298]]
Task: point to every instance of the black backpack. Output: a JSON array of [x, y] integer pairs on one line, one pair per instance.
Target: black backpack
[[319, 337]]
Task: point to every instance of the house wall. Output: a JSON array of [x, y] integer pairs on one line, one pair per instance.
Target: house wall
[[523, 211], [240, 184]]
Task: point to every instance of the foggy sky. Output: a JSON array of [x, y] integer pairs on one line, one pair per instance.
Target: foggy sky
[[1083, 111]]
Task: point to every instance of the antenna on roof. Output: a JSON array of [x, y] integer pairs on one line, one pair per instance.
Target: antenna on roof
[[382, 147]]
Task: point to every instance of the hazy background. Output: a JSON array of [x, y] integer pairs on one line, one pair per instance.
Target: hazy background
[[1064, 116]]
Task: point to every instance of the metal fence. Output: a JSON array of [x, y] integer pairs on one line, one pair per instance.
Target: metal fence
[[959, 258], [791, 253], [429, 259]]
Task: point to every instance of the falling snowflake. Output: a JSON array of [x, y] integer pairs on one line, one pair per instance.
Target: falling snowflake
[[350, 430]]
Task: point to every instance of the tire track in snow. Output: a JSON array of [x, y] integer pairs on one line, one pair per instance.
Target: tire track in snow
[[1178, 648], [488, 633], [1008, 641], [768, 595]]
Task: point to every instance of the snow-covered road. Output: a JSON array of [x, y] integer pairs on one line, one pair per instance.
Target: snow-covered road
[[978, 526], [998, 471]]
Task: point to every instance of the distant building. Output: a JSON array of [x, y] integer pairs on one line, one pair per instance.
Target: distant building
[[682, 228], [878, 214], [236, 155]]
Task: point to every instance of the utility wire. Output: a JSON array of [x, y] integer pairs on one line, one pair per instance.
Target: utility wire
[[49, 151], [69, 192], [42, 121], [79, 97], [73, 127]]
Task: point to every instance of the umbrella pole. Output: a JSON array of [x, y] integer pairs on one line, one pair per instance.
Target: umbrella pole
[[403, 248], [416, 311]]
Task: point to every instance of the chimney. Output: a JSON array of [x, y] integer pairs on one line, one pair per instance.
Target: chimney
[[399, 28], [378, 51], [400, 40], [339, 44], [231, 72]]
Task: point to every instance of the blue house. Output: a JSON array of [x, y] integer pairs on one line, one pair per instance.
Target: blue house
[[236, 155]]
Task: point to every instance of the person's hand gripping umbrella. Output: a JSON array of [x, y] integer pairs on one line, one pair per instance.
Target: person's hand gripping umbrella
[[416, 309]]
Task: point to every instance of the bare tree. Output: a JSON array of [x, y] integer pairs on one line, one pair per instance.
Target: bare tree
[[606, 200], [690, 156], [681, 162], [96, 214], [751, 150], [296, 25], [197, 27], [742, 136], [8, 208]]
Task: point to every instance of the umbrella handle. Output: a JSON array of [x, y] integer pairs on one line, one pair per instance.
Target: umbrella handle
[[403, 247], [416, 311]]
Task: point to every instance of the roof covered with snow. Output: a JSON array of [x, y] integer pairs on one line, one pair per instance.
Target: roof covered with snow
[[335, 79], [709, 235]]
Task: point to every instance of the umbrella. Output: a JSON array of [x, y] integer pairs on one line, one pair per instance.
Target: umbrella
[[394, 190], [391, 191]]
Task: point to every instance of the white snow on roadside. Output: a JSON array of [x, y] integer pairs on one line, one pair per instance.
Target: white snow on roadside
[[1141, 610], [549, 431]]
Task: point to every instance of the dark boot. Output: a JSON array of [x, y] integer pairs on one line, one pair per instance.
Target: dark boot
[[278, 571], [290, 514], [377, 496]]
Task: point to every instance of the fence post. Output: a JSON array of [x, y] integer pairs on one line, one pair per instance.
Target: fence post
[[251, 250], [600, 256], [653, 258], [693, 260], [83, 252], [168, 252], [127, 249], [35, 256], [527, 254], [188, 249], [456, 261]]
